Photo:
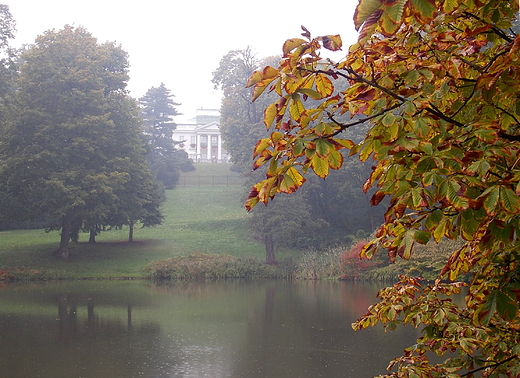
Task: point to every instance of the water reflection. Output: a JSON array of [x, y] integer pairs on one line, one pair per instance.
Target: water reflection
[[213, 329]]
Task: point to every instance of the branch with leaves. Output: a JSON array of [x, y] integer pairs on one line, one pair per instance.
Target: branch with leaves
[[438, 84]]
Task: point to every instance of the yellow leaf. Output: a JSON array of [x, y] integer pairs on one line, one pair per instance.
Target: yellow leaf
[[261, 80], [270, 114], [335, 159], [291, 44], [449, 5], [296, 108], [261, 145], [320, 165], [295, 176], [345, 143], [324, 86]]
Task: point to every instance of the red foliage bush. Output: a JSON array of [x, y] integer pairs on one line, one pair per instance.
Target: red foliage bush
[[352, 265]]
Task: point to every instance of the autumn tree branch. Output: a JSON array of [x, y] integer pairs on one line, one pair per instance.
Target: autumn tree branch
[[493, 366], [344, 126], [495, 29]]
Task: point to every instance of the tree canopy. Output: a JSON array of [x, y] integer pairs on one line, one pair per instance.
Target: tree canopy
[[312, 217], [74, 146], [157, 111], [438, 84]]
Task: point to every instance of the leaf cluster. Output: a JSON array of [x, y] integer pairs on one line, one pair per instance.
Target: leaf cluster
[[437, 82]]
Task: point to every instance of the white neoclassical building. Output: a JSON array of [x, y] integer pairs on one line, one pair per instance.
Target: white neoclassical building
[[200, 137]]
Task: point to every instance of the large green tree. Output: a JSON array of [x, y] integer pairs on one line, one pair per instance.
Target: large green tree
[[240, 118], [139, 199], [438, 84], [61, 156], [7, 55], [310, 218], [158, 110], [241, 126]]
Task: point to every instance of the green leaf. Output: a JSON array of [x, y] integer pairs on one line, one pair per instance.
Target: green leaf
[[421, 237], [490, 202], [506, 306], [486, 135], [509, 200], [323, 147], [421, 127], [395, 10], [450, 5], [410, 78], [450, 190], [496, 302], [468, 345], [433, 219], [311, 93], [298, 147], [440, 231], [388, 119], [424, 8], [417, 199]]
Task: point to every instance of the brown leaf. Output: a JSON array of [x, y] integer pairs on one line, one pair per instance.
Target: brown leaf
[[369, 23], [332, 42], [306, 33], [377, 198], [392, 253], [366, 96]]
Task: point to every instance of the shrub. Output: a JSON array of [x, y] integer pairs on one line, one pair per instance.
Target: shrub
[[205, 266], [353, 267], [426, 262], [314, 264], [25, 274]]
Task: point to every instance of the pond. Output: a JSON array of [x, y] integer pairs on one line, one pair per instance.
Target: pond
[[222, 329]]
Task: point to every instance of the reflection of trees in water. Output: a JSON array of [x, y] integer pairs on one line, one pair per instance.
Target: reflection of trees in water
[[71, 326], [314, 339], [85, 339], [197, 289]]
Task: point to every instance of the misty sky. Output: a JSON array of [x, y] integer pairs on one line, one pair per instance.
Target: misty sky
[[180, 43]]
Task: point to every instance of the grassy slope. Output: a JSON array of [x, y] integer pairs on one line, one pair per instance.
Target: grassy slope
[[208, 219]]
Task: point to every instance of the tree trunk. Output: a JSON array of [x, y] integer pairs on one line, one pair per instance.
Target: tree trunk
[[92, 236], [269, 250], [63, 250], [131, 231]]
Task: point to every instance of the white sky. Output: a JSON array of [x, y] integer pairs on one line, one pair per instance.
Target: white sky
[[180, 43]]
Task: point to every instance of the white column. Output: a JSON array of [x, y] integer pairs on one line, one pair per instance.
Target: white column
[[219, 144], [208, 147], [197, 150]]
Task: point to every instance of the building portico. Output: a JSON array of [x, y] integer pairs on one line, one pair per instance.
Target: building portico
[[201, 137]]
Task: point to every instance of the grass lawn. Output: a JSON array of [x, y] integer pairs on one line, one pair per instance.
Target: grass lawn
[[208, 219]]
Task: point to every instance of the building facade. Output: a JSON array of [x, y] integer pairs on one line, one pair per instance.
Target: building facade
[[200, 137]]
